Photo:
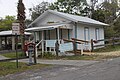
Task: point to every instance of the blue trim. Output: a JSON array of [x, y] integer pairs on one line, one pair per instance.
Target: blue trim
[[75, 30], [84, 34], [76, 33], [88, 34], [68, 34]]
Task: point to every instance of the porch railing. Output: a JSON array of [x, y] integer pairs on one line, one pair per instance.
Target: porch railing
[[36, 48]]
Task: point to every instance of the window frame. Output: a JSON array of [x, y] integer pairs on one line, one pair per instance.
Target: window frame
[[97, 33]]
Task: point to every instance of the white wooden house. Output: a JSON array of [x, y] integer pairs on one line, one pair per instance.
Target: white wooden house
[[53, 25]]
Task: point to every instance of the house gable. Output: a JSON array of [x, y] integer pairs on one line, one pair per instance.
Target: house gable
[[49, 19]]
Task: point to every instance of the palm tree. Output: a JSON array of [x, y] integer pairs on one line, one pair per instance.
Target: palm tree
[[21, 19]]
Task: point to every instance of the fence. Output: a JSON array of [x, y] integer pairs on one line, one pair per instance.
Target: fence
[[75, 42], [107, 42]]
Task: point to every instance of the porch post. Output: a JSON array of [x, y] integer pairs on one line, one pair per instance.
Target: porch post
[[34, 36], [13, 42], [42, 41], [75, 33], [61, 34], [5, 42], [58, 31], [39, 36], [49, 34], [0, 42]]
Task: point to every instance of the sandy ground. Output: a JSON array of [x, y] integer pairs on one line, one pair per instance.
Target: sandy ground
[[114, 53]]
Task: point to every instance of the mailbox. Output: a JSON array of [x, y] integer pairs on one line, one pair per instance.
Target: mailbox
[[31, 50]]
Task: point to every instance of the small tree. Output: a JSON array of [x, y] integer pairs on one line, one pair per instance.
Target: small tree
[[117, 27], [38, 9], [6, 24], [77, 7]]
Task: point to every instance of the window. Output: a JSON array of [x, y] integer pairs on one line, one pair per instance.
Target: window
[[97, 34], [86, 33]]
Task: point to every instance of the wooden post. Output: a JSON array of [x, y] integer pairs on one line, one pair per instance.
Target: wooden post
[[81, 48], [74, 44], [16, 48], [57, 48], [92, 47], [58, 32], [61, 34], [5, 42], [74, 47]]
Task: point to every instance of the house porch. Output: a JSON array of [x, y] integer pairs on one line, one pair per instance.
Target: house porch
[[47, 36]]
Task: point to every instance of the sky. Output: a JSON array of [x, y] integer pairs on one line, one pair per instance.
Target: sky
[[9, 7]]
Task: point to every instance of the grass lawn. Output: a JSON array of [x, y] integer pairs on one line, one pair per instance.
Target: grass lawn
[[10, 67], [12, 55], [87, 57], [50, 56], [108, 49], [78, 57]]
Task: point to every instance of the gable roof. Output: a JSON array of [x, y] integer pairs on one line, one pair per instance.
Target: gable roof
[[74, 18]]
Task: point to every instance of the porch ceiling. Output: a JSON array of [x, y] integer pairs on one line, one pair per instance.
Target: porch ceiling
[[50, 27]]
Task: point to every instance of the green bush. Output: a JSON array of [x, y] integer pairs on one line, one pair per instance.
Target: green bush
[[47, 55]]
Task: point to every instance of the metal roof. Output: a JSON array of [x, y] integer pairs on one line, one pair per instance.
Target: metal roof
[[49, 27], [5, 33], [74, 18]]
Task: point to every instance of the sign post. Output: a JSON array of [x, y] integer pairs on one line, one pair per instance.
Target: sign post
[[16, 32], [16, 45]]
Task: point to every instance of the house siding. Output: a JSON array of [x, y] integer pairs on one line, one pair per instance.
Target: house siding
[[81, 34]]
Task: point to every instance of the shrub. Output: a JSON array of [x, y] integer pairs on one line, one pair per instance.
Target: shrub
[[47, 55]]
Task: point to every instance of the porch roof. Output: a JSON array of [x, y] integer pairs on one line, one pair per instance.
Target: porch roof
[[49, 27], [8, 33]]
